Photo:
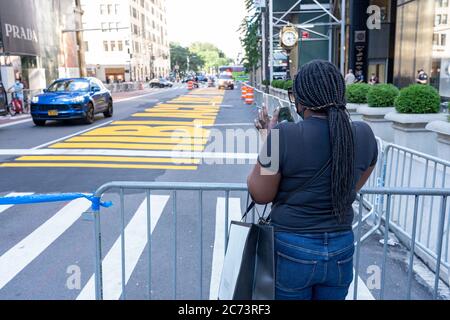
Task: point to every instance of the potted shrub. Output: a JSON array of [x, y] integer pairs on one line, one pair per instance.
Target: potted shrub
[[380, 99], [416, 106], [442, 131], [357, 96], [278, 89]]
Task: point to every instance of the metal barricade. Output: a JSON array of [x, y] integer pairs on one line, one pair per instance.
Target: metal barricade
[[175, 190], [273, 102], [389, 193], [406, 168]]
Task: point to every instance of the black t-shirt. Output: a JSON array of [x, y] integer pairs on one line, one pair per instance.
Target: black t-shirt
[[303, 150]]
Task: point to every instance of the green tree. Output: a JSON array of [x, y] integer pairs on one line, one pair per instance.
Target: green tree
[[179, 56], [250, 39], [210, 54]]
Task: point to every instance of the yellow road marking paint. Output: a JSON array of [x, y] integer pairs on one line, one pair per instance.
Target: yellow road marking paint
[[168, 123], [174, 140], [192, 107], [110, 159], [127, 146], [96, 165], [170, 115], [146, 131]]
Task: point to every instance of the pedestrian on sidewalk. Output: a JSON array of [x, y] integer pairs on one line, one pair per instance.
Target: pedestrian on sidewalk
[[359, 77], [374, 79], [17, 90], [350, 77], [422, 77], [311, 174]]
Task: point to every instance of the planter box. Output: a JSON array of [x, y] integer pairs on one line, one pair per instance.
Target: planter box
[[410, 131], [282, 94], [353, 107], [375, 117], [442, 130], [353, 110]]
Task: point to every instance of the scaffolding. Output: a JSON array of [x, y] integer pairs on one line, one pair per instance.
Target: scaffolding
[[335, 10]]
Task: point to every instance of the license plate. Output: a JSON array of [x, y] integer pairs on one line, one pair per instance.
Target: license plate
[[53, 113]]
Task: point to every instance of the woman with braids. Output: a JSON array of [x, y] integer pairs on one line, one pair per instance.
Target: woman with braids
[[311, 172]]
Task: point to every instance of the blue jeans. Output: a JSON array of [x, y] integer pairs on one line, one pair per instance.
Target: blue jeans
[[313, 266]]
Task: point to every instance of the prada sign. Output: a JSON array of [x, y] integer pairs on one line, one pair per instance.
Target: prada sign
[[18, 27]]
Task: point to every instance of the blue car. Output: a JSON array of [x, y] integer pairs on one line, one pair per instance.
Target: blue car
[[75, 98]]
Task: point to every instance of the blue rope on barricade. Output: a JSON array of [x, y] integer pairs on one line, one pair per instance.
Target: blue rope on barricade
[[43, 198]]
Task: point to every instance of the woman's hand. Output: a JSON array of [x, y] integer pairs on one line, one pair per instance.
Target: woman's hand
[[264, 123]]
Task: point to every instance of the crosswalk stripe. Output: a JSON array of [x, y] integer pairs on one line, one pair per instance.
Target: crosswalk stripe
[[235, 214], [14, 194], [95, 165], [110, 159], [135, 243], [17, 258]]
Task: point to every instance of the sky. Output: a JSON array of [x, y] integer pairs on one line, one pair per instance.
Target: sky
[[215, 21]]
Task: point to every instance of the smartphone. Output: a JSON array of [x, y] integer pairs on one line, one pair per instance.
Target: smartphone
[[285, 115]]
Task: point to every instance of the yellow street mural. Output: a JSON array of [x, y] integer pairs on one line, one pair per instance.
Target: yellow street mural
[[176, 125]]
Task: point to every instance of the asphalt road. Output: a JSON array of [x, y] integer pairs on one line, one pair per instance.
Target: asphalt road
[[42, 245], [47, 250]]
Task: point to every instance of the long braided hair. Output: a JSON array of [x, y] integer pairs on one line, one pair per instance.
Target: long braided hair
[[320, 87]]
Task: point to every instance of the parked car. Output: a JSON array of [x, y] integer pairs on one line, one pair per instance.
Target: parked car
[[160, 83], [3, 101], [73, 98], [226, 81]]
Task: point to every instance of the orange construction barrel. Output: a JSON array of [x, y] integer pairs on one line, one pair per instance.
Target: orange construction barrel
[[250, 97], [244, 92], [191, 85]]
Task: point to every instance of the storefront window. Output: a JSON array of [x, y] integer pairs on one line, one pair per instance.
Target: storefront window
[[422, 43]]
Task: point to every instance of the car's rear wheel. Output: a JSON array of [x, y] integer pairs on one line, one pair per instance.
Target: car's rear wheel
[[39, 123], [90, 115], [110, 111]]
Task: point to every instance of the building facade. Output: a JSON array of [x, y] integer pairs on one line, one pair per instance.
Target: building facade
[[37, 42], [126, 40]]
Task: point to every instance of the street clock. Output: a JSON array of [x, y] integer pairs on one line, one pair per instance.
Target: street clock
[[289, 37]]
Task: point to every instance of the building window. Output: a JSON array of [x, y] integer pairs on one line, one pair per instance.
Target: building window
[[104, 26], [102, 9], [86, 46], [437, 20], [120, 45], [444, 19], [105, 45], [435, 39], [442, 3], [110, 8], [113, 46], [111, 26], [443, 40], [116, 8]]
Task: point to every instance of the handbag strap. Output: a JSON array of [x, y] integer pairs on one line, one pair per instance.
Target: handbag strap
[[308, 183]]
